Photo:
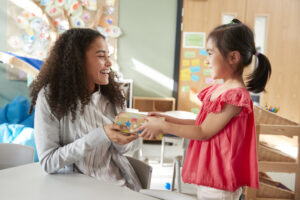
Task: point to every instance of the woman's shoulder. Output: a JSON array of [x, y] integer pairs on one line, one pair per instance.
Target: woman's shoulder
[[42, 94], [42, 101]]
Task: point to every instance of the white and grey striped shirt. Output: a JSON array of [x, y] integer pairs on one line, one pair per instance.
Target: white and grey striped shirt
[[83, 143]]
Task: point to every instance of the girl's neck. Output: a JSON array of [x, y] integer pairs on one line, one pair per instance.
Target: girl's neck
[[234, 82]]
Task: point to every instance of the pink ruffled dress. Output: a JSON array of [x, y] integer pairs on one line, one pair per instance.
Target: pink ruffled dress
[[228, 160]]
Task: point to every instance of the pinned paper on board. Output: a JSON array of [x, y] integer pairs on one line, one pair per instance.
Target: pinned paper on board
[[194, 40], [185, 74], [196, 62], [189, 54], [185, 62], [195, 69], [209, 81], [185, 78], [206, 72], [194, 90], [185, 71], [220, 81], [185, 88], [203, 52], [194, 78]]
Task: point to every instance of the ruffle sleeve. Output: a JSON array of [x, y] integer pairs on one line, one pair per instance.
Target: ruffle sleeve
[[203, 93], [237, 97]]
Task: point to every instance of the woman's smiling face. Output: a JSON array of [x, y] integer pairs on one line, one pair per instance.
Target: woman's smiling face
[[97, 63]]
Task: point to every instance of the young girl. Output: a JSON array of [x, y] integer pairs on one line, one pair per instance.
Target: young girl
[[76, 99], [222, 157]]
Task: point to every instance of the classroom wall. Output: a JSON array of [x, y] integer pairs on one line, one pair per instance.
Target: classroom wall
[[9, 89], [3, 19], [146, 48]]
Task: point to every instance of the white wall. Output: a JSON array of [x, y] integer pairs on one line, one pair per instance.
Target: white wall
[[9, 89], [3, 19], [147, 47]]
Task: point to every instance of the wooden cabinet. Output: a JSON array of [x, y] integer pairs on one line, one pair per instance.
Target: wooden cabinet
[[157, 104], [149, 104]]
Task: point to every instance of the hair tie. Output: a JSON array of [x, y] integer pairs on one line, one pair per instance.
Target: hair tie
[[235, 21], [256, 53]]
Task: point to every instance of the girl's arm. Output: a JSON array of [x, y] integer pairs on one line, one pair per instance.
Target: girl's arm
[[213, 124], [174, 119]]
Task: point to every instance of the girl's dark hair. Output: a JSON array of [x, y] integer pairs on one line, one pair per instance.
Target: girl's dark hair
[[63, 75], [236, 36]]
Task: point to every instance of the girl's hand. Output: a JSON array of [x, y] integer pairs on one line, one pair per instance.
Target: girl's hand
[[155, 114], [151, 128], [158, 114], [113, 132]]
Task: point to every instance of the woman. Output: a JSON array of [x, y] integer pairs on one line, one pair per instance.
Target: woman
[[76, 99]]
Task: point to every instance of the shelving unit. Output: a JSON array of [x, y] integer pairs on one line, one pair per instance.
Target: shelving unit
[[150, 104], [154, 104], [272, 160]]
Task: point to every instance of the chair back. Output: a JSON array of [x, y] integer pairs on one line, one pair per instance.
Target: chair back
[[12, 155], [142, 170]]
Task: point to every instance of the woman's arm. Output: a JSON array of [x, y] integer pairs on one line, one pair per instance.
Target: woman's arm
[[52, 154], [213, 124], [132, 146], [123, 143]]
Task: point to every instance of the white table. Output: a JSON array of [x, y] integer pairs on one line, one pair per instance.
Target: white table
[[32, 183]]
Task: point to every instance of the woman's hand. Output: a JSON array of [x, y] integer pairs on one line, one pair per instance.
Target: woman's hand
[[151, 128], [113, 132]]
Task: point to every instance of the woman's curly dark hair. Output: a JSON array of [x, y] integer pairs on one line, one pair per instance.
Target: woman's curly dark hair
[[63, 75]]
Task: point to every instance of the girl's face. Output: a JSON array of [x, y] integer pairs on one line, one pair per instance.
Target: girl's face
[[220, 68], [97, 63]]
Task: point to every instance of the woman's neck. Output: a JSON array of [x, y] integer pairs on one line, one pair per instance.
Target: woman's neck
[[94, 88]]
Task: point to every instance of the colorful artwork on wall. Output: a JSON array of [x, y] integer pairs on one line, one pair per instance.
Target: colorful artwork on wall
[[33, 27]]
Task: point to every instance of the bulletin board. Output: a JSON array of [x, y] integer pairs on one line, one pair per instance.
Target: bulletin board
[[198, 19], [194, 72]]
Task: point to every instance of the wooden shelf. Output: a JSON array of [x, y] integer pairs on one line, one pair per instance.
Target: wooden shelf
[[150, 104], [154, 104]]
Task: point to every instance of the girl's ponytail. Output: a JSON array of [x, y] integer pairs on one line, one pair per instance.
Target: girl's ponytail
[[258, 79]]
